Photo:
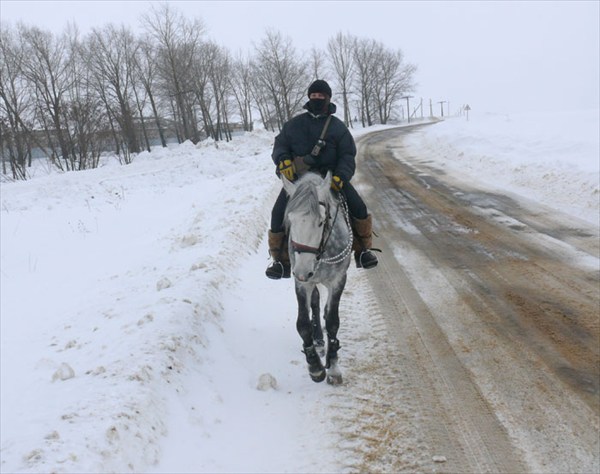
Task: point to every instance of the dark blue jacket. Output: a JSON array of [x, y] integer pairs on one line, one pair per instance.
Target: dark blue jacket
[[300, 134]]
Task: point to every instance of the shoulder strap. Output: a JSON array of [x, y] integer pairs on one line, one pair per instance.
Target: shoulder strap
[[325, 127], [320, 143]]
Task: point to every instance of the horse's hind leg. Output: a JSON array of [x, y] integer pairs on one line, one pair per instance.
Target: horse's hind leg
[[317, 329], [332, 324], [304, 328]]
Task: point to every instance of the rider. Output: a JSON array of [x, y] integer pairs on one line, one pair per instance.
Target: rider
[[292, 155]]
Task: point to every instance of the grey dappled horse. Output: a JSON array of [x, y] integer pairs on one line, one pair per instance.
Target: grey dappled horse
[[320, 243]]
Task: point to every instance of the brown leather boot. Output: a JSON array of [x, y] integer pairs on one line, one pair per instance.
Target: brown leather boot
[[278, 249], [363, 242]]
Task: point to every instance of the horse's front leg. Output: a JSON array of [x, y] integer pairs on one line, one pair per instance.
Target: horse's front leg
[[304, 327], [315, 305], [332, 324]]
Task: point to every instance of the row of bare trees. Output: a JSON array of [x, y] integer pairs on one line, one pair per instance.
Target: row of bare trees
[[70, 98]]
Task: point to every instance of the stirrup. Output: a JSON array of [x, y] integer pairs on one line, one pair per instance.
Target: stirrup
[[366, 259], [278, 270]]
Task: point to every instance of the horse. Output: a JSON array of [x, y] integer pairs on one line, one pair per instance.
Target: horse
[[320, 238]]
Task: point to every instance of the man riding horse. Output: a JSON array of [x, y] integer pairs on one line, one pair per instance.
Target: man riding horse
[[318, 141]]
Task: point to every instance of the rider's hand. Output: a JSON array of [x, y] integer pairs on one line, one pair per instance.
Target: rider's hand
[[287, 169], [337, 183]]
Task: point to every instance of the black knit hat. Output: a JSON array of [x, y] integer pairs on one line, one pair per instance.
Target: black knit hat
[[319, 86]]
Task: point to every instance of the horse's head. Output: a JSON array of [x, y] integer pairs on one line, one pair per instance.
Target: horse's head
[[306, 219]]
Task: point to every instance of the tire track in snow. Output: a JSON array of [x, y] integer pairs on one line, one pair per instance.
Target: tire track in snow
[[378, 419]]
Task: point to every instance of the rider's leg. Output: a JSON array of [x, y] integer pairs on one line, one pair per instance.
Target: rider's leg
[[362, 226], [278, 245]]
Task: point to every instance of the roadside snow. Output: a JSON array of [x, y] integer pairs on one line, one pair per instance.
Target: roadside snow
[[553, 158]]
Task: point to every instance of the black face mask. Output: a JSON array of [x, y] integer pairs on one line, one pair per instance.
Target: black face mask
[[317, 106]]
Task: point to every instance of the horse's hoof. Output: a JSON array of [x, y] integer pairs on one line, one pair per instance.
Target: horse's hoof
[[334, 379], [318, 377], [334, 375]]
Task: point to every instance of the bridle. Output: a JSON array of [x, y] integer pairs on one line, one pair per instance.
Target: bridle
[[328, 225]]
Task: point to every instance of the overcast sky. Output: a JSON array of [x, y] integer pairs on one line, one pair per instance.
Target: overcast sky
[[495, 56]]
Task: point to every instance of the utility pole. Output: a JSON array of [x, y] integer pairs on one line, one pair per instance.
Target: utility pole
[[442, 102], [407, 105], [467, 108]]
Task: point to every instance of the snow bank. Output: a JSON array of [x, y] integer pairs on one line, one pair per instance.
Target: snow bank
[[552, 158], [116, 274]]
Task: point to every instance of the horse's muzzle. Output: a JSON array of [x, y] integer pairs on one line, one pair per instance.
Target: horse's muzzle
[[304, 266], [304, 278]]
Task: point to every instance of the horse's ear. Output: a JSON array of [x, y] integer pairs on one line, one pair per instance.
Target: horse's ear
[[325, 187], [288, 186], [327, 181]]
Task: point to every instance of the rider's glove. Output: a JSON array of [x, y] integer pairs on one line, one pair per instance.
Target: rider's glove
[[337, 183], [287, 169]]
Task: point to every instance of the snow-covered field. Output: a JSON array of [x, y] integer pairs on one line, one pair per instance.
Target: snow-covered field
[[136, 322]]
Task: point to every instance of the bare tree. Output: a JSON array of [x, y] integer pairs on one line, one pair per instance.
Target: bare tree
[[15, 106], [83, 108], [367, 52], [178, 41], [207, 54], [219, 70], [317, 63], [112, 59], [46, 66], [262, 98], [391, 80], [281, 74], [147, 74], [139, 91], [240, 84], [341, 49]]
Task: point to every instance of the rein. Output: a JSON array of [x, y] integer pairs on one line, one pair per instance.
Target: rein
[[344, 253]]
